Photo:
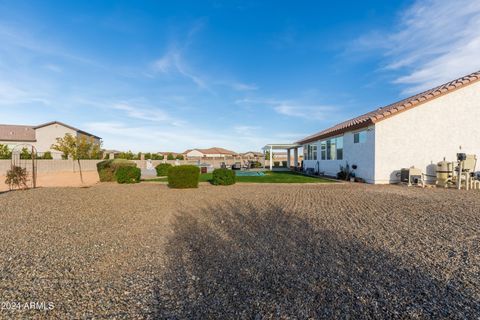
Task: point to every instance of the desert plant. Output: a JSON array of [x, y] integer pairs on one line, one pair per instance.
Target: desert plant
[[181, 177], [128, 174], [162, 169], [223, 177], [5, 152], [344, 172], [79, 147], [17, 178], [106, 169]]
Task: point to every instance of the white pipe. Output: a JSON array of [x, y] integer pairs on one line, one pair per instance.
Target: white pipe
[[459, 176]]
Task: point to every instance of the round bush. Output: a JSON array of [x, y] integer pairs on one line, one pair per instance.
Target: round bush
[[128, 175], [181, 177], [162, 169], [223, 177], [106, 169]]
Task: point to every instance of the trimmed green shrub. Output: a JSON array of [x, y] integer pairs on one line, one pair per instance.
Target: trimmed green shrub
[[181, 177], [170, 157], [128, 175], [162, 169], [223, 177], [106, 169]]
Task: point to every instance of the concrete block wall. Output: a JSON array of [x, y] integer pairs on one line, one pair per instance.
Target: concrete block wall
[[45, 166]]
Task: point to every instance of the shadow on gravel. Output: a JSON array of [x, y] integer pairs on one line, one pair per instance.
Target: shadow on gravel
[[236, 262]]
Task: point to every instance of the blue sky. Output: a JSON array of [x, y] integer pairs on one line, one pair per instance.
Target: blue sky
[[172, 75]]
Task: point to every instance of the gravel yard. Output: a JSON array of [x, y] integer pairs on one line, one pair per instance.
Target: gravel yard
[[244, 251]]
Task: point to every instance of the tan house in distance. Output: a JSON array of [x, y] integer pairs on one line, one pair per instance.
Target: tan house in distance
[[252, 155], [41, 137], [214, 152]]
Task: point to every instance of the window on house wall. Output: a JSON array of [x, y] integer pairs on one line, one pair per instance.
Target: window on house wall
[[339, 148], [360, 137], [323, 150], [332, 149], [314, 152]]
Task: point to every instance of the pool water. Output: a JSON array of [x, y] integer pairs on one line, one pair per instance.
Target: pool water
[[249, 173]]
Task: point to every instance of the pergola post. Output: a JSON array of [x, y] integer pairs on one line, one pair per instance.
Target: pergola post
[[288, 158], [271, 158], [295, 157]]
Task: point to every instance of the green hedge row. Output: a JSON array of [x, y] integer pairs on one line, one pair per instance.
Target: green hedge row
[[106, 169], [181, 177], [223, 177]]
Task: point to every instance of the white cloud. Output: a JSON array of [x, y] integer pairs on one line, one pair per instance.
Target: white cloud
[[151, 114], [117, 135], [173, 61], [293, 108], [11, 94], [246, 130], [435, 41], [244, 86], [53, 67]]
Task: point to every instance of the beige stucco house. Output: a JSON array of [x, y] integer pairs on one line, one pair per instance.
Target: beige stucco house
[[41, 137]]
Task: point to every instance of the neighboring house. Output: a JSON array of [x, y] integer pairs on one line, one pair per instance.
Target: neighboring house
[[252, 155], [418, 131], [214, 152], [42, 137]]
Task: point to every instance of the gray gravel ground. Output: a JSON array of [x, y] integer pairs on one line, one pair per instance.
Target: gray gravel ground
[[244, 251]]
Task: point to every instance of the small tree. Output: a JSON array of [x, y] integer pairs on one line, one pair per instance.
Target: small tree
[[179, 156], [170, 157], [267, 155], [25, 154], [47, 155], [78, 148], [5, 152]]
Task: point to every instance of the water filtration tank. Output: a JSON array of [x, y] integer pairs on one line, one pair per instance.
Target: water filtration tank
[[444, 173]]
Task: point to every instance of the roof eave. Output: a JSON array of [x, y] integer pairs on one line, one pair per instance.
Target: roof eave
[[357, 126]]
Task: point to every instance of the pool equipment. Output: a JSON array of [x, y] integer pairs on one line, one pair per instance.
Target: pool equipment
[[445, 173], [411, 176]]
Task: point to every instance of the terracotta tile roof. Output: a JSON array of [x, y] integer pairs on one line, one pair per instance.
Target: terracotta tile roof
[[17, 133], [383, 113]]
